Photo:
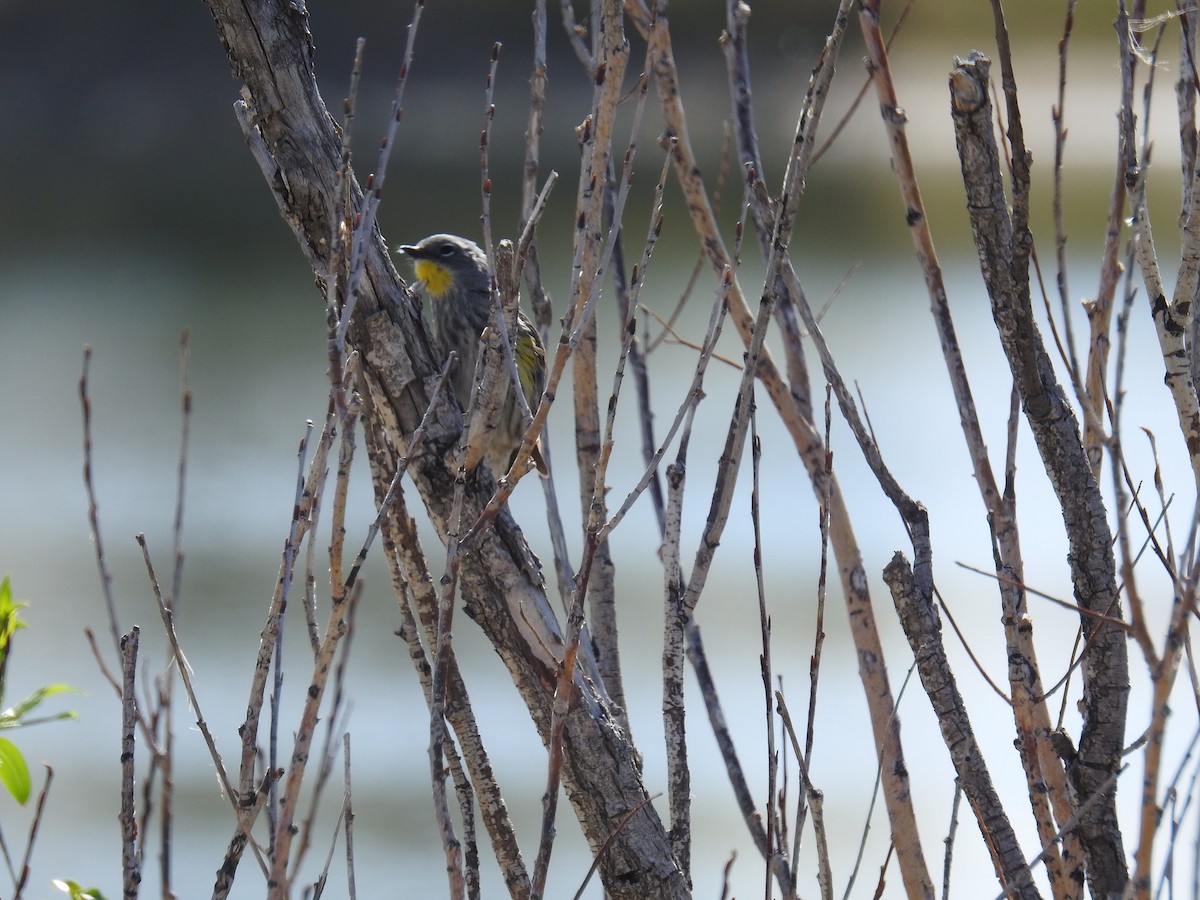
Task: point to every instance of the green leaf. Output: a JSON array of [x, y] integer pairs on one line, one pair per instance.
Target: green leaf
[[65, 715], [9, 621], [14, 774], [11, 718], [76, 890]]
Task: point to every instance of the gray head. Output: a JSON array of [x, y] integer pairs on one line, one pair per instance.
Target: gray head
[[445, 261]]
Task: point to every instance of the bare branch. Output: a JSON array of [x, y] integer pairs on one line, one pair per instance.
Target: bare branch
[[1003, 242], [131, 863], [919, 618]]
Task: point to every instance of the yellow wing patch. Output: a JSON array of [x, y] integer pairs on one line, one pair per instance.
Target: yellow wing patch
[[437, 277], [530, 359]]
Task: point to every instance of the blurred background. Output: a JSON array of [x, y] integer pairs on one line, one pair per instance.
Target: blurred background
[[130, 210]]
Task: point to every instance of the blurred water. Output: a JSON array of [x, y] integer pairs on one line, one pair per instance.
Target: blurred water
[[256, 373]]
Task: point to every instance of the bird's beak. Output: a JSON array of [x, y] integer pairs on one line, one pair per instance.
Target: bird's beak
[[410, 250]]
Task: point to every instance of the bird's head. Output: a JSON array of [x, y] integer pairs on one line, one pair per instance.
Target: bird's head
[[445, 261]]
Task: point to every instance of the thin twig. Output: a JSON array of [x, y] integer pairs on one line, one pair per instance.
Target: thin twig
[[774, 839], [34, 827], [862, 91], [608, 842], [442, 654], [106, 581], [815, 801], [373, 190], [950, 834], [862, 842], [348, 825], [185, 676]]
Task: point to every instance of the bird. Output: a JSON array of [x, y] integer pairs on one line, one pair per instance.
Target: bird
[[454, 276]]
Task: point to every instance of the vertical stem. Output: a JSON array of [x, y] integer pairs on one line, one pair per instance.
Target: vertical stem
[[131, 865]]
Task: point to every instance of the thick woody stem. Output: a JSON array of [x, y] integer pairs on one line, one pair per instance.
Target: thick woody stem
[[923, 628], [1056, 431], [295, 143]]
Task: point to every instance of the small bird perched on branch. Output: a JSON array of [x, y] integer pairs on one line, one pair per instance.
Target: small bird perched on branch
[[455, 278]]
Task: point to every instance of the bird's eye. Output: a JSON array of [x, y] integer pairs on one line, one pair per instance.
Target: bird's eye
[[447, 250]]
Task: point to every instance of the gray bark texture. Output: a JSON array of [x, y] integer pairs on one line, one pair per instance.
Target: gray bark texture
[[1003, 258]]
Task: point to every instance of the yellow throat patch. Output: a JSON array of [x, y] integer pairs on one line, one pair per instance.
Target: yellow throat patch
[[437, 277]]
